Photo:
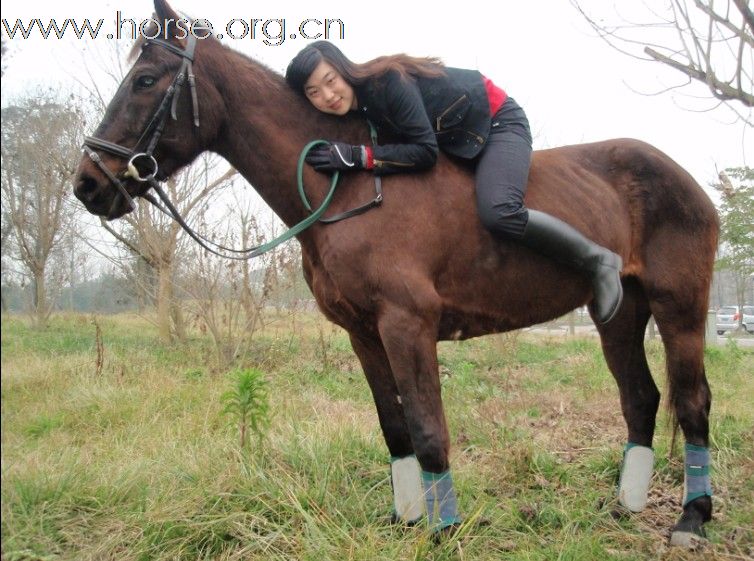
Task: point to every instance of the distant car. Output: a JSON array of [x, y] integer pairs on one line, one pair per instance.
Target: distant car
[[747, 319], [728, 319]]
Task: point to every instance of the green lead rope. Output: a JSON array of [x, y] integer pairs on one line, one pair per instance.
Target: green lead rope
[[312, 218], [302, 193], [336, 175], [317, 214], [169, 209]]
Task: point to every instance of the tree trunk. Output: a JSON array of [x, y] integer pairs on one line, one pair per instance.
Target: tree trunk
[[72, 273], [164, 298], [179, 323], [40, 299]]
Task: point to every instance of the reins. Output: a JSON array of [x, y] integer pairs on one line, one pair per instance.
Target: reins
[[157, 124]]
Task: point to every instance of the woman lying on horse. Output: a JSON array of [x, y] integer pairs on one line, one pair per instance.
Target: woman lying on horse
[[431, 107]]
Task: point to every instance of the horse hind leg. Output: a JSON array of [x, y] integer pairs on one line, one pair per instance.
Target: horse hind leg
[[623, 345], [681, 321]]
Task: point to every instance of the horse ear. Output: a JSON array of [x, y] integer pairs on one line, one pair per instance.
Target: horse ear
[[166, 14]]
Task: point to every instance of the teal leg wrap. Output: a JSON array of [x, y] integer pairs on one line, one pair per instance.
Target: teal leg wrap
[[697, 473], [440, 499]]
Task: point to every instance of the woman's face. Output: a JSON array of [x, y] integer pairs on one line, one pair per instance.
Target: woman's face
[[328, 91]]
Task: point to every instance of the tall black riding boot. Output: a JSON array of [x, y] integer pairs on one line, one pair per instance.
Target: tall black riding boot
[[556, 239]]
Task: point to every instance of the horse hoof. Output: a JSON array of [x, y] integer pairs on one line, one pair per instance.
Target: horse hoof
[[620, 513], [616, 510], [689, 532], [395, 520], [446, 533], [688, 540]]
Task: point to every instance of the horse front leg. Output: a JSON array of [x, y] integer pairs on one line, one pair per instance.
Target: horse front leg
[[405, 473], [410, 342]]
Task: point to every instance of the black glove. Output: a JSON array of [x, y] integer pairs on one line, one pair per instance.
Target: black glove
[[337, 156]]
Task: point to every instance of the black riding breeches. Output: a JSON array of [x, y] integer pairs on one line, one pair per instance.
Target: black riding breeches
[[502, 172]]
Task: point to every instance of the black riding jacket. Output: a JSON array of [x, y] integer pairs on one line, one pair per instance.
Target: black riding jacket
[[451, 112]]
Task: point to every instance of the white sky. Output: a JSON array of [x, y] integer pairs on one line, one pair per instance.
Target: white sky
[[573, 86]]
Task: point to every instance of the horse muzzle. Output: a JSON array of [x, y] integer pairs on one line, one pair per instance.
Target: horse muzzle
[[99, 195]]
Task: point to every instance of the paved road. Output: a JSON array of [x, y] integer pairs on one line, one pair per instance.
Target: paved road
[[741, 339]]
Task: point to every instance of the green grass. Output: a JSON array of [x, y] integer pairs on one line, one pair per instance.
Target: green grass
[[139, 463]]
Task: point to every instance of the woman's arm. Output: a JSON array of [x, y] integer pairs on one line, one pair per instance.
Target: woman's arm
[[401, 106], [407, 115]]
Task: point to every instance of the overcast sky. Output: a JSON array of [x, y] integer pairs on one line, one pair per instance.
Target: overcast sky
[[573, 86]]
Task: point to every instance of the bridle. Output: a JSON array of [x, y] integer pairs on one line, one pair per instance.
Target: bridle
[[143, 153]]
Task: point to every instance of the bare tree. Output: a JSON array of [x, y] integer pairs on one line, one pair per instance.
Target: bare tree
[[6, 230], [105, 68], [156, 240], [706, 41], [227, 297], [41, 139]]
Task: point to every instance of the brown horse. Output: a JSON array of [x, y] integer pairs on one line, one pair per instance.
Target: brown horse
[[420, 268]]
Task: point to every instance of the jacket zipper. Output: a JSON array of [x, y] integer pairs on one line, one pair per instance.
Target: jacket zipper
[[448, 110]]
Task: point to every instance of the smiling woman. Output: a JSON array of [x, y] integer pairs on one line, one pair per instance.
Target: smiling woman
[[328, 91]]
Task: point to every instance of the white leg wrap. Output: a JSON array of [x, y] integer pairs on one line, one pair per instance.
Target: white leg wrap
[[408, 491], [638, 463]]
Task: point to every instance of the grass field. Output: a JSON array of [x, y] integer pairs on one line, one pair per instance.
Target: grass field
[[136, 461]]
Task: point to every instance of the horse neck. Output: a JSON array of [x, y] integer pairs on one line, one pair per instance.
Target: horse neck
[[263, 129]]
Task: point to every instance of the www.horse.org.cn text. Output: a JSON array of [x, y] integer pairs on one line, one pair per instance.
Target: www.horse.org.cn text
[[272, 31]]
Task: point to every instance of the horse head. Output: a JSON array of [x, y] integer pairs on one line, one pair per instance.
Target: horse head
[[151, 126]]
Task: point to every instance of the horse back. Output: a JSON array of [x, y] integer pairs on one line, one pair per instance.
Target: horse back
[[426, 241]]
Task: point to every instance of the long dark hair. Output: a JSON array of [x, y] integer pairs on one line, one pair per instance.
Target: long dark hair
[[304, 63]]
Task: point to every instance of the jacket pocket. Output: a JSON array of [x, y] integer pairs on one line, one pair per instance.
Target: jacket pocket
[[453, 114]]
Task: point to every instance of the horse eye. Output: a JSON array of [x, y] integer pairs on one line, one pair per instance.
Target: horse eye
[[144, 82]]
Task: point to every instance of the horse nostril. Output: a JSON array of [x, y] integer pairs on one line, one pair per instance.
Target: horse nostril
[[86, 188]]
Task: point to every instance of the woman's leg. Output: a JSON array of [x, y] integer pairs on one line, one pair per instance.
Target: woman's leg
[[556, 239], [501, 177], [502, 173]]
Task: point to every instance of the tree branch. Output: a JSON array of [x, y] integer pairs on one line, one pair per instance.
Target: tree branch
[[719, 89], [743, 7], [229, 174], [127, 243], [726, 22]]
